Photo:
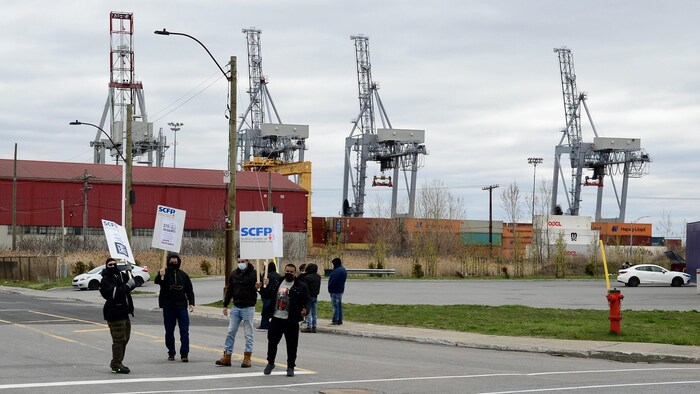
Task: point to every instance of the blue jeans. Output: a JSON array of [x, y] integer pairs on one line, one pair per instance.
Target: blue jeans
[[337, 303], [171, 317], [237, 315], [311, 317]]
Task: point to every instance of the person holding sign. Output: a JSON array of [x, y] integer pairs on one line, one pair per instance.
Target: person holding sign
[[291, 305], [115, 288], [175, 296], [242, 288]]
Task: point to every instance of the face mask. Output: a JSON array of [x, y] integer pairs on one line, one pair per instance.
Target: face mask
[[288, 277], [242, 266], [112, 268]]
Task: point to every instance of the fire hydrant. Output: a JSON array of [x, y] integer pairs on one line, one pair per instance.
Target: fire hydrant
[[615, 301]]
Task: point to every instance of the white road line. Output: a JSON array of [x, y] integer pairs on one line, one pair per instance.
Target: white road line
[[304, 372], [139, 380], [600, 386]]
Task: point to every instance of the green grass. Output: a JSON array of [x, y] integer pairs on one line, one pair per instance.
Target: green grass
[[677, 328], [44, 285]]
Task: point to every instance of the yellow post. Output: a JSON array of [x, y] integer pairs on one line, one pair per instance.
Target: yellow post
[[605, 265]]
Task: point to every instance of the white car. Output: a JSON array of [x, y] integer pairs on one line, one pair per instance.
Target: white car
[[651, 274], [91, 279]]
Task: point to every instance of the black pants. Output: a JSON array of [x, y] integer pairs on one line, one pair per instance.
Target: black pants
[[121, 332], [290, 330]]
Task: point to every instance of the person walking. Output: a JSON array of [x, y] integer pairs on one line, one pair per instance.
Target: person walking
[[267, 297], [242, 289], [115, 288], [336, 288], [291, 305], [175, 297], [313, 282]]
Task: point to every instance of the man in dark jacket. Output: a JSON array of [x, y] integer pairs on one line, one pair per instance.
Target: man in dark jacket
[[336, 288], [291, 304], [115, 288], [313, 282], [242, 288], [268, 306], [175, 296]]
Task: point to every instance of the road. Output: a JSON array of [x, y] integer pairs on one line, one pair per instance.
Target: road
[[55, 345], [576, 294]]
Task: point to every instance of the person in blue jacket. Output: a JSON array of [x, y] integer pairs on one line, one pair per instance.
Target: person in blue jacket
[[336, 288]]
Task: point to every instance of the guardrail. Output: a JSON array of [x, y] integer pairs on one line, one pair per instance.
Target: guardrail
[[371, 271]]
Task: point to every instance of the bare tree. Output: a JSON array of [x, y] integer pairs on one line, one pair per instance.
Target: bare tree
[[512, 205], [539, 248], [436, 202], [665, 223]]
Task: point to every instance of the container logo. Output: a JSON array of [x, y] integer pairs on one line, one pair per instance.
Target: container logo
[[553, 223]]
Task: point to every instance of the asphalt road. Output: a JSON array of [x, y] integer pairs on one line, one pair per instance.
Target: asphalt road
[[59, 345], [576, 294]]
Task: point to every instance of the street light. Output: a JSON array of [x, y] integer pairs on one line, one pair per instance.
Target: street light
[[534, 161], [231, 77], [175, 127], [125, 163], [632, 232]]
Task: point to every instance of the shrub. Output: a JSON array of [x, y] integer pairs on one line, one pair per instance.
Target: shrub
[[205, 266], [80, 268], [417, 271]]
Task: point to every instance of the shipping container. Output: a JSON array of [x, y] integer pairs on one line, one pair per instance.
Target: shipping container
[[472, 239], [617, 228], [412, 225], [480, 226]]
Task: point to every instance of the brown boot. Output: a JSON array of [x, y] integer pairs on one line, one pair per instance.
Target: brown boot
[[224, 360], [246, 360]]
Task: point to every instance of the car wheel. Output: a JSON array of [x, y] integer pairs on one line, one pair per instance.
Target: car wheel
[[677, 282], [633, 282], [139, 281], [94, 284]]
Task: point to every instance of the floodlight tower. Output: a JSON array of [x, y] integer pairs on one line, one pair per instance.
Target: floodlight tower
[[396, 149], [264, 139], [125, 90], [605, 156]]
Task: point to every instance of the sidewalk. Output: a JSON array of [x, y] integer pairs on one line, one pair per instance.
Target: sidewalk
[[618, 351]]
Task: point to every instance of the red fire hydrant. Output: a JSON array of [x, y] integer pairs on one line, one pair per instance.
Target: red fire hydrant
[[615, 301]]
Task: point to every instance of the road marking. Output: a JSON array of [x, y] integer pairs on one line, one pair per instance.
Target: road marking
[[93, 330], [139, 380], [406, 379]]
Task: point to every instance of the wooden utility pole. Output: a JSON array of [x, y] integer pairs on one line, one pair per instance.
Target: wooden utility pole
[[490, 189]]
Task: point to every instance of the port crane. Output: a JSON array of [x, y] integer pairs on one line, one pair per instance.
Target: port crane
[[394, 149], [605, 156]]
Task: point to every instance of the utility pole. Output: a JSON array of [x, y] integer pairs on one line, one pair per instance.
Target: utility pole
[[175, 127], [490, 189], [129, 149], [86, 186]]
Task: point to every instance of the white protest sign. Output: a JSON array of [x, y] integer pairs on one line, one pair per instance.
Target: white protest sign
[[167, 232], [117, 241], [278, 241], [260, 232]]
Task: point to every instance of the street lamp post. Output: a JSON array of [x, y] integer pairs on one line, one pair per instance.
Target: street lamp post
[[231, 77], [175, 127], [126, 167], [632, 232], [534, 161]]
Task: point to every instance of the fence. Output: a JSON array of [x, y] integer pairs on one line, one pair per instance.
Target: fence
[[34, 268]]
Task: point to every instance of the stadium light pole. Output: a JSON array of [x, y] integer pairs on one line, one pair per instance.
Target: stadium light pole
[[231, 77], [124, 171], [175, 127], [632, 232], [534, 161]]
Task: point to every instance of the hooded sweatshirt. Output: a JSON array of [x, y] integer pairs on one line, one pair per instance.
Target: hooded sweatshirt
[[336, 281], [175, 286]]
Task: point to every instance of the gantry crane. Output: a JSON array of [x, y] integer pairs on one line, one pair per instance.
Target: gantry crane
[[271, 146], [393, 149], [605, 156]]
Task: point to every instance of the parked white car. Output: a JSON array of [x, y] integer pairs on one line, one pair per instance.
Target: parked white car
[[91, 279], [651, 274]]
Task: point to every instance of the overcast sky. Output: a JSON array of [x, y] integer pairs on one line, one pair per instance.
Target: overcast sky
[[480, 77]]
